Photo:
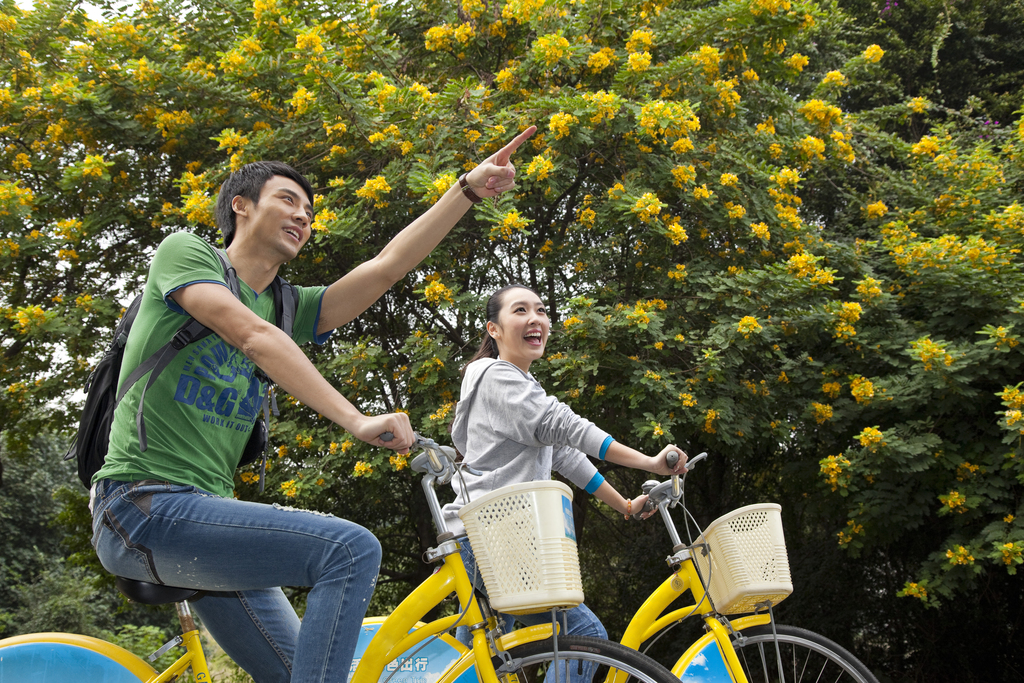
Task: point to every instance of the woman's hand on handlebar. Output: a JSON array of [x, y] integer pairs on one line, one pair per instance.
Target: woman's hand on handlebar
[[372, 430], [637, 508], [662, 461]]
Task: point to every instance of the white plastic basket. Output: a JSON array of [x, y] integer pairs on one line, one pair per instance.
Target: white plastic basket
[[747, 564], [525, 546]]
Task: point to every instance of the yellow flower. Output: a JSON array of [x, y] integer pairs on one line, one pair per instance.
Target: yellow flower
[[310, 41], [684, 174], [748, 325], [647, 207], [919, 105], [735, 211], [439, 186], [372, 190], [877, 210], [928, 145], [797, 61], [812, 147], [862, 389], [301, 100], [869, 289], [709, 420], [540, 167], [708, 57], [928, 352], [834, 78], [873, 53], [606, 104], [960, 555], [559, 124], [439, 38], [511, 224], [682, 146], [702, 192], [832, 468], [913, 590], [550, 48], [822, 412], [870, 437], [760, 230], [362, 469], [436, 292], [601, 60], [639, 61], [822, 113], [728, 179]]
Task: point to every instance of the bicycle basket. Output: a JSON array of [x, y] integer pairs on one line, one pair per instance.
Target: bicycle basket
[[747, 564], [525, 546]]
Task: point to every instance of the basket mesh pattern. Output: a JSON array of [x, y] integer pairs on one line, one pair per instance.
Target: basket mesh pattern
[[523, 569], [747, 564]]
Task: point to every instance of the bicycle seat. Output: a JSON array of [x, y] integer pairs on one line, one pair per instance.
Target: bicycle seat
[[154, 593]]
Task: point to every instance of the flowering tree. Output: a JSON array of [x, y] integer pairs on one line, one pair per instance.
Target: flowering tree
[[738, 253]]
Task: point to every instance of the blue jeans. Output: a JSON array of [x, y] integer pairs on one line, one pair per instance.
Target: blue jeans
[[579, 621], [243, 552]]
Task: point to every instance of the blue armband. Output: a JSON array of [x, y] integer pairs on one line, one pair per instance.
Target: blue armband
[[608, 441], [595, 482]]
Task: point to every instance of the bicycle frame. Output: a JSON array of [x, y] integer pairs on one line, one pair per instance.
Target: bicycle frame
[[402, 630], [651, 618]]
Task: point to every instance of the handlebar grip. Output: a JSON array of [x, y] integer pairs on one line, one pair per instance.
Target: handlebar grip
[[671, 458], [648, 507], [386, 436]]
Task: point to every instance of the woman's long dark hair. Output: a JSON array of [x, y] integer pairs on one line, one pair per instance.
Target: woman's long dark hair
[[488, 345]]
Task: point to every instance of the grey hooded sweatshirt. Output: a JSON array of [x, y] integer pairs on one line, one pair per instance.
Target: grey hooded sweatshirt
[[508, 428]]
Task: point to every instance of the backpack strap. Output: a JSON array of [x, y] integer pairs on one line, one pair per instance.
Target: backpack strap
[[286, 303], [229, 273], [190, 331]]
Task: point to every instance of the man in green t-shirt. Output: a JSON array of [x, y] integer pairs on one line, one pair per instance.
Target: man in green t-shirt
[[166, 514]]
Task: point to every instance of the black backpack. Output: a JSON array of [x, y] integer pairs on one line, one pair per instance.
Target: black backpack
[[90, 444]]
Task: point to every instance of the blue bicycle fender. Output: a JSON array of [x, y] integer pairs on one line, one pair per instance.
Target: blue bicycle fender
[[50, 662]]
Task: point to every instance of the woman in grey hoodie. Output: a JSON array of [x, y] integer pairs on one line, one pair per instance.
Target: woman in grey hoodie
[[509, 429]]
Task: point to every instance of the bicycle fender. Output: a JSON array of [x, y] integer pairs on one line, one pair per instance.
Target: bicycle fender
[[704, 661], [521, 636], [62, 657]]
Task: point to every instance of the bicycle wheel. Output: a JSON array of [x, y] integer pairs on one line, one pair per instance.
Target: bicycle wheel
[[585, 659], [806, 656]]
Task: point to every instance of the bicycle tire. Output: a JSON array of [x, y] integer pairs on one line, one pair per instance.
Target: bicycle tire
[[532, 660], [806, 656], [63, 657]]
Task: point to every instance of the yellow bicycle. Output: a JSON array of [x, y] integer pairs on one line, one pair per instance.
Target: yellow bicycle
[[737, 565], [397, 649]]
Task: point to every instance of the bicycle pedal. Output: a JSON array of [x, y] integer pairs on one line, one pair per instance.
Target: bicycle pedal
[[173, 642]]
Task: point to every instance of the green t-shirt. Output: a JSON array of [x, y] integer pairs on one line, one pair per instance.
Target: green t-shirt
[[201, 409]]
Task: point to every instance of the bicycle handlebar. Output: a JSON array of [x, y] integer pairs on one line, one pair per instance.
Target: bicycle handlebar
[[671, 490]]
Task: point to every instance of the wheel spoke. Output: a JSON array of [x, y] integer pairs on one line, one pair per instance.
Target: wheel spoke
[[808, 657]]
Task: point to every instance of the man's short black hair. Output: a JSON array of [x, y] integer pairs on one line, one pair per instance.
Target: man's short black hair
[[248, 182]]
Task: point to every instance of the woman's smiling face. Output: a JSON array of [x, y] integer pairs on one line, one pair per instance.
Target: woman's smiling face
[[522, 328]]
